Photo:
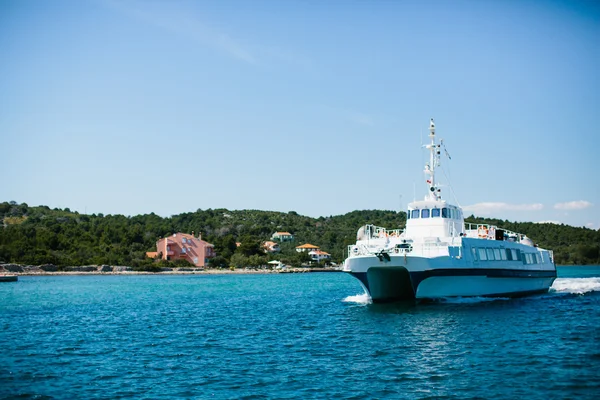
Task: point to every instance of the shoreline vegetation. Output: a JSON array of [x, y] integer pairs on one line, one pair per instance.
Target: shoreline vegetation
[[40, 235]]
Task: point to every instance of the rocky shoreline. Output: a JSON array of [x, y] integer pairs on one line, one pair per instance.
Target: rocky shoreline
[[50, 269]]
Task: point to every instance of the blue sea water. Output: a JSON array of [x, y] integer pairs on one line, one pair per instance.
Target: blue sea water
[[292, 336]]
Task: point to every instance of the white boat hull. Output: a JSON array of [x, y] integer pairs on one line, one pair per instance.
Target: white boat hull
[[403, 278]]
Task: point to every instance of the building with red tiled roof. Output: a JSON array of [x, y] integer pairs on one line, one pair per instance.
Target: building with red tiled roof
[[318, 255], [306, 247], [271, 247], [182, 246], [282, 236]]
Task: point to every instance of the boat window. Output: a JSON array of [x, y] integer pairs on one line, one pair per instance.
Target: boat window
[[490, 254], [435, 212], [444, 213], [425, 213], [503, 254], [474, 251], [482, 254], [183, 240], [415, 214], [408, 214], [509, 256], [497, 254], [515, 254], [538, 259]]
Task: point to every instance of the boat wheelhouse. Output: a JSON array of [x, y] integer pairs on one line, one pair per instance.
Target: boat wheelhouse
[[437, 255]]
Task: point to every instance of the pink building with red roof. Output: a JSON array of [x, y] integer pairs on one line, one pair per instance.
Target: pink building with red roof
[[182, 246]]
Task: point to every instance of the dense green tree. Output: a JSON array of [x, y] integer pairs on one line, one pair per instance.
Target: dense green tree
[[249, 246], [38, 235]]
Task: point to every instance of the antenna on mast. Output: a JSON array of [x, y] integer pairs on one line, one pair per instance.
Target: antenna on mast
[[434, 161]]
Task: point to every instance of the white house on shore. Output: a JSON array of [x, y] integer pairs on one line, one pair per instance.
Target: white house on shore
[[319, 255], [271, 247], [306, 247], [282, 236], [315, 252]]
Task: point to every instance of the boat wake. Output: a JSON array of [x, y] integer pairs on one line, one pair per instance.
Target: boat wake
[[575, 285], [362, 298]]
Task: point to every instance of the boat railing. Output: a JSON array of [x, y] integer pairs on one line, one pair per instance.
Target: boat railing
[[379, 232], [487, 231], [423, 249], [359, 250]]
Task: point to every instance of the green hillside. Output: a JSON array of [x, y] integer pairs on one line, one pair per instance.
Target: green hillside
[[39, 235]]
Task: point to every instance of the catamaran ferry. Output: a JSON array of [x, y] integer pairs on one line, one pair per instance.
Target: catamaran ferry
[[439, 256]]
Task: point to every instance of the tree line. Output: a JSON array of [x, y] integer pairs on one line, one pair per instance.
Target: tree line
[[40, 235]]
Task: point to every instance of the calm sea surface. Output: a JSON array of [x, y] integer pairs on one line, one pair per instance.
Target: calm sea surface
[[292, 336]]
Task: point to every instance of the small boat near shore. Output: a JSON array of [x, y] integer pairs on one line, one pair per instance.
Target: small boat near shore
[[9, 278], [439, 256]]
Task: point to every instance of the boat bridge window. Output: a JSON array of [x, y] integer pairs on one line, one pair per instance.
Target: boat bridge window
[[452, 213], [490, 254]]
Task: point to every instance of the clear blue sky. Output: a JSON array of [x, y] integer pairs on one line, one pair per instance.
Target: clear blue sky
[[131, 107]]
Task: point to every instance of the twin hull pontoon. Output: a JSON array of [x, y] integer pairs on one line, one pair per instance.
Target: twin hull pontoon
[[437, 256]]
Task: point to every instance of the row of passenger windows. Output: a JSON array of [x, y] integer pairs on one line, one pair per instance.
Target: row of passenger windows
[[452, 213], [489, 254]]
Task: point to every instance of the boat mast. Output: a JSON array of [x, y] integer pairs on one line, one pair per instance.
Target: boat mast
[[434, 161]]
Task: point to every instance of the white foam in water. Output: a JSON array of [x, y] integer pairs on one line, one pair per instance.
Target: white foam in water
[[362, 298], [576, 285]]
